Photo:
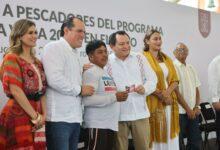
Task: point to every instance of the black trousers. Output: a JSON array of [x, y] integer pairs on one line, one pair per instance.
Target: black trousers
[[99, 139], [189, 128], [218, 127]]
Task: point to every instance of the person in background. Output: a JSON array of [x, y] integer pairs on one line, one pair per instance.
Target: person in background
[[101, 111], [214, 90], [189, 88], [24, 82], [64, 74]]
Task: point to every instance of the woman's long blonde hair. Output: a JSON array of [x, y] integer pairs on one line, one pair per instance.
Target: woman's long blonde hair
[[18, 30]]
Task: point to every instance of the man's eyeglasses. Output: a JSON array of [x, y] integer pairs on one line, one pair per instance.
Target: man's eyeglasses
[[183, 50]]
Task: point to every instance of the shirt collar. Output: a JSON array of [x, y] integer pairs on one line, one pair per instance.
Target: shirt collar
[[177, 62], [97, 66], [131, 54], [67, 45]]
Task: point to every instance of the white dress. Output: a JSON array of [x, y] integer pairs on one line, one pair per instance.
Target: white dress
[[172, 144]]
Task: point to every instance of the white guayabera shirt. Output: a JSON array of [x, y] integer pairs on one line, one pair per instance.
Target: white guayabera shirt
[[214, 79], [64, 76]]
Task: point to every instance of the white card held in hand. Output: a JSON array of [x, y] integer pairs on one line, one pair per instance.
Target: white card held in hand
[[130, 89]]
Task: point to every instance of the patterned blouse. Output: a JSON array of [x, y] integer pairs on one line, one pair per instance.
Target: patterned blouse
[[15, 125], [21, 73]]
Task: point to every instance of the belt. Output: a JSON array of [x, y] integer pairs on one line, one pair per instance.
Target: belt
[[35, 96]]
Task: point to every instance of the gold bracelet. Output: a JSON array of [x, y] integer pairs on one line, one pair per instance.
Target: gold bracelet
[[35, 121]]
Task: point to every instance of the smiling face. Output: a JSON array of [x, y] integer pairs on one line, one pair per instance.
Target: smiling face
[[29, 39], [76, 34], [122, 46], [99, 56], [154, 41]]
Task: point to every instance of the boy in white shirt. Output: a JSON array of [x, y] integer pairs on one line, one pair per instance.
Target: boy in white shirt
[[101, 109]]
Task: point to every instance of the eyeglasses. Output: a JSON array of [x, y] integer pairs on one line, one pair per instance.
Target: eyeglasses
[[182, 50]]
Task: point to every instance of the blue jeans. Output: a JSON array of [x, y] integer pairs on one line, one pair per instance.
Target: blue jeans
[[62, 135], [189, 128]]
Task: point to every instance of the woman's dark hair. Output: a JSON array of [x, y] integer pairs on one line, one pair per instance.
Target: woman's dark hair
[[93, 45], [146, 46]]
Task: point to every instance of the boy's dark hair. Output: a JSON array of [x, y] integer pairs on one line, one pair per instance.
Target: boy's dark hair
[[93, 45], [112, 38]]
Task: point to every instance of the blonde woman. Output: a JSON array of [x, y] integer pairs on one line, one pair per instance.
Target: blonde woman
[[164, 119], [163, 103], [24, 82]]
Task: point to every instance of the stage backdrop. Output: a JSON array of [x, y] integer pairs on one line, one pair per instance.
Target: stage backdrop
[[176, 23]]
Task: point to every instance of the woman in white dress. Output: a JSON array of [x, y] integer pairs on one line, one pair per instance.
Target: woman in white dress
[[163, 106]]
